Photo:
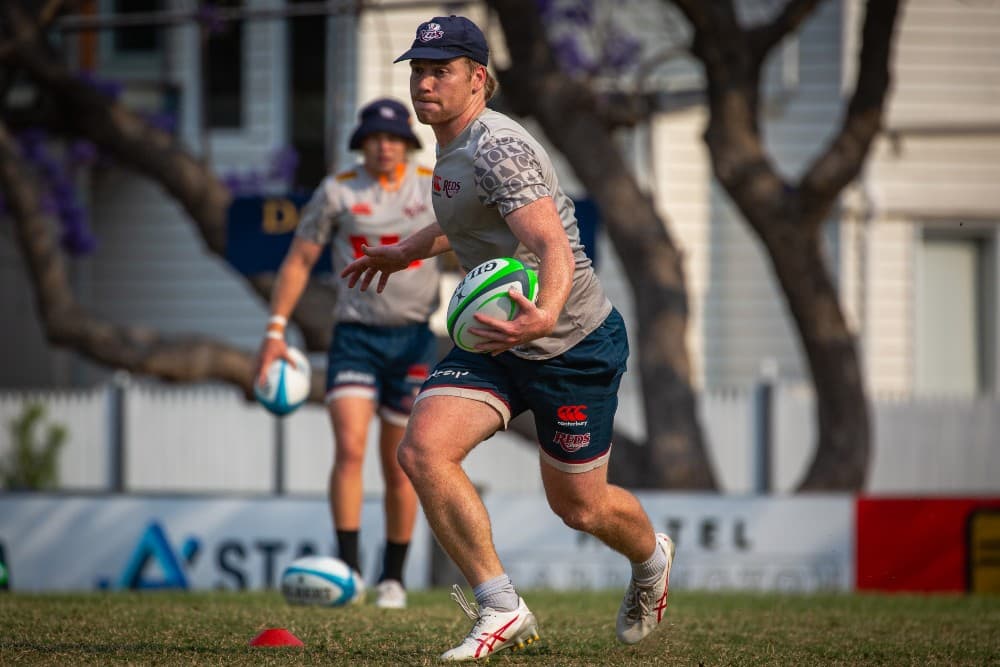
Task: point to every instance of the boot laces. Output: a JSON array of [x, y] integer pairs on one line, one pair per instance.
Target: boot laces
[[470, 608], [637, 604]]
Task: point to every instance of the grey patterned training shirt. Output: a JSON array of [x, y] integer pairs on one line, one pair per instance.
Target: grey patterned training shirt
[[495, 167]]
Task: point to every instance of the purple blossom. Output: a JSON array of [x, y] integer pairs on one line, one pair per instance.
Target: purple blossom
[[59, 197], [284, 162], [162, 120], [233, 182], [580, 13], [76, 238], [546, 8], [253, 182], [110, 89], [571, 57], [621, 51], [82, 152], [32, 144]]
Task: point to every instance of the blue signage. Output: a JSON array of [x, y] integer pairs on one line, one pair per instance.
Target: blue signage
[[154, 554], [259, 231]]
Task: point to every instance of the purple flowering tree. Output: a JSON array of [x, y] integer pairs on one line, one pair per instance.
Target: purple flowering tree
[[551, 78], [84, 115]]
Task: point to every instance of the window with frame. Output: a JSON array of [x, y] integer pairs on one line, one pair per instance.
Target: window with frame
[[223, 71], [955, 323], [136, 39]]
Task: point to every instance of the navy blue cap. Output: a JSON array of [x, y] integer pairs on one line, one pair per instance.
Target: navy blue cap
[[447, 37], [385, 115]]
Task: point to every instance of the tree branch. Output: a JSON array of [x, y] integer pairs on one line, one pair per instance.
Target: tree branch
[[696, 12], [792, 15], [182, 358], [25, 28], [844, 157], [75, 108]]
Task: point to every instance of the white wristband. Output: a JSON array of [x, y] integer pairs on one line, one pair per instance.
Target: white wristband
[[276, 335], [280, 320]]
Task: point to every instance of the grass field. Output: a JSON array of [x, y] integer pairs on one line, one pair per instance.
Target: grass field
[[576, 628]]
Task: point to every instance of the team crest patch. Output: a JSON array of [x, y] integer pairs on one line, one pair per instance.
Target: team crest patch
[[430, 32]]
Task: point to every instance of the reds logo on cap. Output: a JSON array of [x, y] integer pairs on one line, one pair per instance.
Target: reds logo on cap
[[430, 32]]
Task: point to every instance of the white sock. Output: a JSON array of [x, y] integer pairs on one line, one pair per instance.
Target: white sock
[[647, 572], [497, 593]]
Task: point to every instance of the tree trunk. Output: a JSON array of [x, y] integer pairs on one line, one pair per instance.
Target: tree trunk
[[843, 449], [788, 218]]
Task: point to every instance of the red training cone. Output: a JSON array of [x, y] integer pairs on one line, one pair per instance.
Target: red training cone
[[276, 637]]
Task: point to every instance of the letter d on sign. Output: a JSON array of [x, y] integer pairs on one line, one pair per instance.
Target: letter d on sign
[[279, 216]]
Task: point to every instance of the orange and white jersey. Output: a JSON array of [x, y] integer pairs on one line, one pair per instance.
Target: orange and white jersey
[[352, 209]]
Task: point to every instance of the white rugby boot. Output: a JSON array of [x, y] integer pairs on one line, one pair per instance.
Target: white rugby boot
[[643, 606], [390, 594], [492, 630]]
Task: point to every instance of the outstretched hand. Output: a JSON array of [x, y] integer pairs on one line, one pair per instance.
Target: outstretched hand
[[529, 323], [381, 261]]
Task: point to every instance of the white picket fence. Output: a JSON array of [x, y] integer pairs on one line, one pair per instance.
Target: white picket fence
[[210, 439]]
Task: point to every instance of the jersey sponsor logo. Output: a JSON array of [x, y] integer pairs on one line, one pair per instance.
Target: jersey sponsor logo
[[354, 377], [571, 442], [362, 208], [431, 32], [449, 188], [572, 415], [448, 373]]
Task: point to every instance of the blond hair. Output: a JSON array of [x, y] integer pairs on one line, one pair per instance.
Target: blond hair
[[490, 87]]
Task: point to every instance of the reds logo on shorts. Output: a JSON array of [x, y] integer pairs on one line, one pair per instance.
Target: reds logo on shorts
[[571, 442]]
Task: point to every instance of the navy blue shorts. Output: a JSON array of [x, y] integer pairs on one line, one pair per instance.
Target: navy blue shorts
[[386, 364], [573, 396]]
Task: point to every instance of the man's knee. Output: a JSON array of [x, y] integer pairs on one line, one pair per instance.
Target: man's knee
[[405, 455], [577, 516], [414, 458]]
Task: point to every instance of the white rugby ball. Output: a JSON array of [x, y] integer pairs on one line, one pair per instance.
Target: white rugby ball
[[321, 581], [484, 290], [285, 387]]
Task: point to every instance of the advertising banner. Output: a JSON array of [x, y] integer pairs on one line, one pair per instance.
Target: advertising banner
[[723, 542], [135, 542], [929, 544], [67, 543]]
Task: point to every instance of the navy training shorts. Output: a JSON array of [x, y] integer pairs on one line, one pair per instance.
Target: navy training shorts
[[386, 364], [574, 396]]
